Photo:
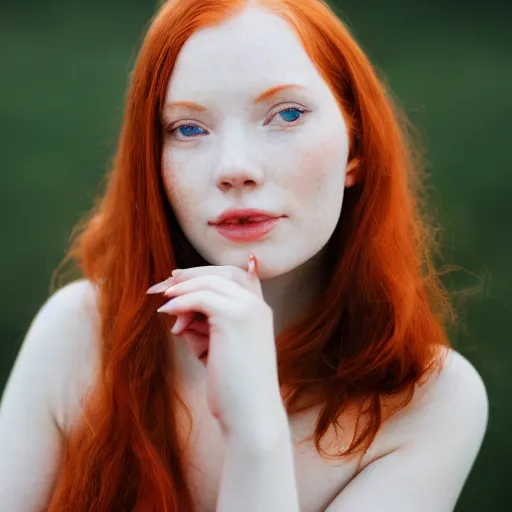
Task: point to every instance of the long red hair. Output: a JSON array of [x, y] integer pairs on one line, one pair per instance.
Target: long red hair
[[375, 332]]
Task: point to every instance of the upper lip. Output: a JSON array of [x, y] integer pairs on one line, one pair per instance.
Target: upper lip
[[243, 213]]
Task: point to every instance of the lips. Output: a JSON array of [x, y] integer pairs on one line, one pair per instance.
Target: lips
[[244, 216], [246, 220], [245, 225], [248, 232]]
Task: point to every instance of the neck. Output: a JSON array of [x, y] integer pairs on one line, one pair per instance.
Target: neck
[[290, 295]]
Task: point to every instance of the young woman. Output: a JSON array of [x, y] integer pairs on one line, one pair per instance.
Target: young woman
[[297, 360]]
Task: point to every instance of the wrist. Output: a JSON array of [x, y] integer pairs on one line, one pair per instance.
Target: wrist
[[265, 432]]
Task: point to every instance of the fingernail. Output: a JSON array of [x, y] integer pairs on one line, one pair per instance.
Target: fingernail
[[175, 271], [178, 325], [168, 291], [160, 287], [164, 308], [253, 264]]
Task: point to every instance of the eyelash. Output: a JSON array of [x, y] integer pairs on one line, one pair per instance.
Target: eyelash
[[173, 130]]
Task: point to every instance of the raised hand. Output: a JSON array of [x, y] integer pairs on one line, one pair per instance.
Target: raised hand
[[242, 381]]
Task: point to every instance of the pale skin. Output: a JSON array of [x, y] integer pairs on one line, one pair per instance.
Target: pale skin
[[246, 156]]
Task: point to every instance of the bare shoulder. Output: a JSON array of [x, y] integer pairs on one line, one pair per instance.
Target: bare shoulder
[[454, 397], [78, 298], [450, 409], [52, 373], [67, 325], [61, 350], [423, 454]]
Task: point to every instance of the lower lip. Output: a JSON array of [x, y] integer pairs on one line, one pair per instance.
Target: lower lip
[[248, 232]]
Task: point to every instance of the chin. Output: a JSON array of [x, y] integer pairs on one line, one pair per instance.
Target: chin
[[272, 261]]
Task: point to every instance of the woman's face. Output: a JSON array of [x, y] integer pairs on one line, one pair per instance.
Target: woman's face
[[229, 145]]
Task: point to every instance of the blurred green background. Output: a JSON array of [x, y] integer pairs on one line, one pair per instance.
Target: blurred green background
[[63, 80]]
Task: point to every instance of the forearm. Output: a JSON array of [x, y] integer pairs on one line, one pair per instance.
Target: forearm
[[258, 474]]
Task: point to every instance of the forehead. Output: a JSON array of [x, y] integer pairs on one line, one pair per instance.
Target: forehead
[[254, 50]]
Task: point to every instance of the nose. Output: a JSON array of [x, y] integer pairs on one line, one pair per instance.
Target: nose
[[236, 169], [237, 178]]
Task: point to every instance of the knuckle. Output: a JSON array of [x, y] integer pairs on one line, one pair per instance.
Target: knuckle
[[238, 310], [234, 273], [216, 281]]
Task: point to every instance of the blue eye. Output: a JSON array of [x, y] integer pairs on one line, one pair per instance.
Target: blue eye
[[189, 130], [291, 114]]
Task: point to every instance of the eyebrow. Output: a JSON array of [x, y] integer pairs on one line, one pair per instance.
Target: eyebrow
[[274, 90], [264, 96]]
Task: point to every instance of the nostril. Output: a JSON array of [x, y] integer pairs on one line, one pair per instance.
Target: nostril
[[225, 185]]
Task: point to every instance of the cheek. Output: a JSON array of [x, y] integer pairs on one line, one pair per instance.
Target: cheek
[[321, 173], [180, 189]]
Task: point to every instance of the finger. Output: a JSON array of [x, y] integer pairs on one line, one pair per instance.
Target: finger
[[253, 273], [218, 284], [205, 301], [198, 343], [236, 274], [182, 323], [160, 287], [252, 264]]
